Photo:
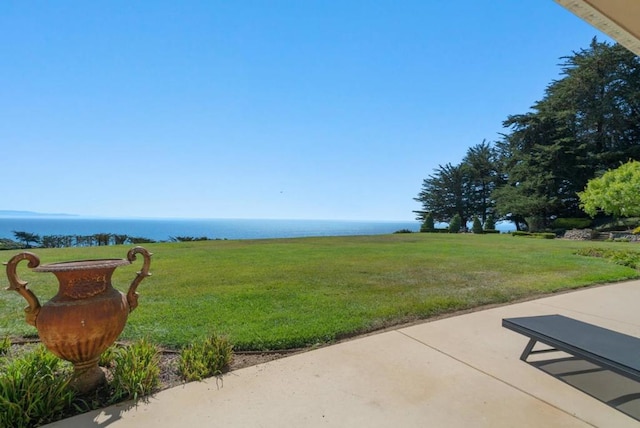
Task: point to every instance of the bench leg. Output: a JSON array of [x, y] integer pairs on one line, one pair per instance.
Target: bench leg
[[528, 349]]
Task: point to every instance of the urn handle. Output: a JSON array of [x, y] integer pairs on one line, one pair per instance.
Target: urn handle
[[15, 283], [132, 296]]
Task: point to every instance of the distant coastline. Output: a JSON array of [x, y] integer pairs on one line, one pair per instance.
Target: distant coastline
[[30, 214]]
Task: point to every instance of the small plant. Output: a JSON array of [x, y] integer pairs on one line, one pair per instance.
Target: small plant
[[108, 357], [205, 358], [34, 390], [5, 345], [136, 371]]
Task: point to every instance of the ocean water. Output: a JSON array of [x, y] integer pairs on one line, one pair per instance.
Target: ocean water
[[165, 229]]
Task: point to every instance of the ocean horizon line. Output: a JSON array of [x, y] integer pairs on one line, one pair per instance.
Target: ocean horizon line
[[34, 214], [163, 229]]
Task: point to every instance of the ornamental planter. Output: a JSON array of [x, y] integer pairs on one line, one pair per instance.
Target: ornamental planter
[[86, 316]]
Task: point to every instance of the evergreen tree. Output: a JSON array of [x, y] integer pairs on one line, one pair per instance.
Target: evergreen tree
[[455, 224], [428, 225], [26, 237], [482, 169], [490, 224], [477, 226], [445, 194], [587, 122]]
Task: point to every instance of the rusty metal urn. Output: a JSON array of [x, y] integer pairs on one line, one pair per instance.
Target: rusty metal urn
[[86, 316]]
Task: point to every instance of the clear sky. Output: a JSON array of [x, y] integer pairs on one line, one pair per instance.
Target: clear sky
[[309, 109]]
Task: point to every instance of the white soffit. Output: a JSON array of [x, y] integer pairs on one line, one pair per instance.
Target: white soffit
[[619, 19]]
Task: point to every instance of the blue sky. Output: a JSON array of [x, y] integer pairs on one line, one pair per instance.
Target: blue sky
[[309, 109]]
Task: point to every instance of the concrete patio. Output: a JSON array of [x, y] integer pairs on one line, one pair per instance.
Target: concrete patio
[[462, 371]]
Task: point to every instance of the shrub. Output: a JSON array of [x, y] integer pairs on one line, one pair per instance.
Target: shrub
[[571, 223], [136, 371], [477, 226], [490, 224], [8, 244], [403, 231], [188, 238], [612, 225], [455, 224], [140, 240], [545, 235], [34, 390], [621, 257], [491, 231], [540, 235], [205, 358], [428, 225]]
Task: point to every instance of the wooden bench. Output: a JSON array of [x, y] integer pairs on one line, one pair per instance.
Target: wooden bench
[[606, 348]]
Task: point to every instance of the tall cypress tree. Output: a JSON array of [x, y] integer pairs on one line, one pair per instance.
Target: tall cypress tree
[[587, 122]]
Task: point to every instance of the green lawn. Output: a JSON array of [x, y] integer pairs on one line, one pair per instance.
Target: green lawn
[[287, 293]]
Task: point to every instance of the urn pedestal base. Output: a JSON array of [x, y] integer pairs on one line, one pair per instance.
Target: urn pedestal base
[[87, 377]]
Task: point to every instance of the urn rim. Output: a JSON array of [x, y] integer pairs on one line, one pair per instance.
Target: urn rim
[[82, 265]]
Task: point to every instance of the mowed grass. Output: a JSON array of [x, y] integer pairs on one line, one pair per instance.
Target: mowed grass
[[289, 293]]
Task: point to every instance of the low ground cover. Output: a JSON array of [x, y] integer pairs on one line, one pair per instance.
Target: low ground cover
[[292, 293], [35, 385]]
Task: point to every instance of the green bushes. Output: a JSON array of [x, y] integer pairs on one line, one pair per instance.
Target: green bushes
[[539, 235], [571, 223], [490, 225], [35, 384], [615, 224], [455, 224], [34, 389], [477, 226], [205, 358], [428, 225], [622, 257], [403, 231], [136, 371]]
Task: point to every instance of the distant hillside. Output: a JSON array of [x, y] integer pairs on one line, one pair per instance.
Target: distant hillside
[[11, 213]]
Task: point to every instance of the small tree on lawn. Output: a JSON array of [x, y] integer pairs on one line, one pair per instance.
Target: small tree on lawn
[[490, 224], [455, 224], [616, 192], [428, 225], [477, 226]]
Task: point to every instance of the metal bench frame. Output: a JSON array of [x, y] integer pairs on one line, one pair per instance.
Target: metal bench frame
[[615, 351]]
